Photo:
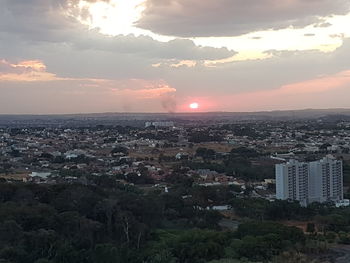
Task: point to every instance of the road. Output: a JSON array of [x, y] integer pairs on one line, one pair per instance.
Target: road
[[344, 251]]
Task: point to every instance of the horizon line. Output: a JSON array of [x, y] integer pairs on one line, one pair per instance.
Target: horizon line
[[173, 113]]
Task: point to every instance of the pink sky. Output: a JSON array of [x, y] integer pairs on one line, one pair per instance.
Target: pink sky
[[90, 95], [57, 59]]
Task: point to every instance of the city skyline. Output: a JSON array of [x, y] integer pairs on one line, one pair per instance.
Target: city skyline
[[78, 56]]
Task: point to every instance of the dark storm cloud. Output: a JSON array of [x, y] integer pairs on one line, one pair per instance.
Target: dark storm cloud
[[188, 18]]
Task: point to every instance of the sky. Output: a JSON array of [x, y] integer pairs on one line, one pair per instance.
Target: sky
[[86, 56]]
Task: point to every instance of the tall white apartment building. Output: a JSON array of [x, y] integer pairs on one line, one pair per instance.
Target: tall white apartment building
[[318, 181], [326, 180], [292, 181]]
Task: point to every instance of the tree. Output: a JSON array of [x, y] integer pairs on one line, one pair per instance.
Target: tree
[[119, 150], [310, 227], [205, 153], [164, 256], [244, 152]]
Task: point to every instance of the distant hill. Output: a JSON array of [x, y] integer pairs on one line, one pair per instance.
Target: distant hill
[[138, 119]]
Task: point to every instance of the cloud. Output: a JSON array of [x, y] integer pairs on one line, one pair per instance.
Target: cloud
[[52, 63], [36, 19], [309, 35], [182, 49], [27, 87], [323, 24], [341, 36], [49, 22], [189, 18], [30, 70], [35, 71], [184, 63], [148, 91], [281, 68]]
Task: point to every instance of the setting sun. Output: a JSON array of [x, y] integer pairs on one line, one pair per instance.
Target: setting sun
[[194, 105]]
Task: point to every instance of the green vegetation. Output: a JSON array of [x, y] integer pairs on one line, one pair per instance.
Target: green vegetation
[[115, 223], [262, 209], [239, 162], [205, 135], [323, 222]]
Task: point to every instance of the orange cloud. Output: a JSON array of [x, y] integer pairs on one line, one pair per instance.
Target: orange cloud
[[28, 70], [184, 63], [149, 92], [35, 71], [36, 65], [173, 63], [75, 93]]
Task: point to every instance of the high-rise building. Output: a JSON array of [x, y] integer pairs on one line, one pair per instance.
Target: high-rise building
[[326, 180], [292, 181], [318, 181]]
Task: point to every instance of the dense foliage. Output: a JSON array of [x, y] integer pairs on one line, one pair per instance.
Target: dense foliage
[[238, 163], [115, 223], [326, 217]]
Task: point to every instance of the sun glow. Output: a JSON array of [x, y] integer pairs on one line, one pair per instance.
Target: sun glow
[[116, 17], [194, 106], [119, 17]]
